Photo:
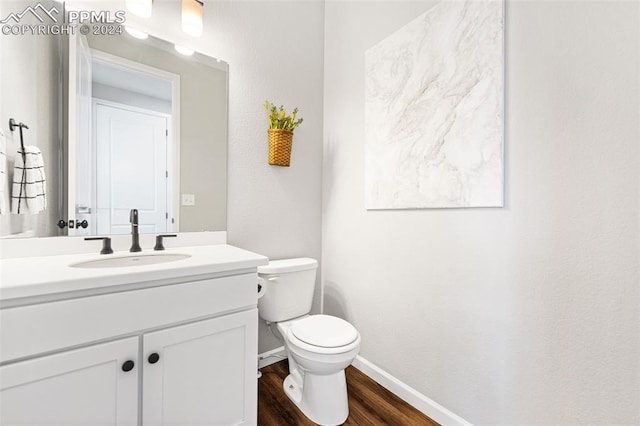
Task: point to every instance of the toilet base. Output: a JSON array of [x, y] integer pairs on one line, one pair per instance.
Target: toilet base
[[323, 399]]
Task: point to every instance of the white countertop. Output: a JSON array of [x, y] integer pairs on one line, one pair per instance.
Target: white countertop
[[49, 275]]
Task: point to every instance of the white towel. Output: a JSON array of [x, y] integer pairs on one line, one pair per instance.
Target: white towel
[[29, 182], [3, 173]]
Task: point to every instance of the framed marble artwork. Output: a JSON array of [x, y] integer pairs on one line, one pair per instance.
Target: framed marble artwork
[[434, 110]]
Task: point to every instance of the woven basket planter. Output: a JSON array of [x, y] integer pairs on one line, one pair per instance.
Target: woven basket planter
[[280, 147]]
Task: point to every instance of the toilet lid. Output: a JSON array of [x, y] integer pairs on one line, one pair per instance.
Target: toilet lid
[[324, 331]]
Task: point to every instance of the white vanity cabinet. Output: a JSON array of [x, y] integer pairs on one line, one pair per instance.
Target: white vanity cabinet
[[174, 351], [201, 373], [85, 386]]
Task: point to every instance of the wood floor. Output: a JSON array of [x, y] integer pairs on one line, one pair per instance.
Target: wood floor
[[369, 403]]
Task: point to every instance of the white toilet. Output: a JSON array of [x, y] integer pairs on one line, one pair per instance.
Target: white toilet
[[319, 347]]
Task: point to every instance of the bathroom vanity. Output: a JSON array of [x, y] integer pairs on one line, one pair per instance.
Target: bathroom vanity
[[157, 343]]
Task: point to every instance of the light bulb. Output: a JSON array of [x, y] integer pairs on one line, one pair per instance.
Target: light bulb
[[141, 8], [192, 15], [183, 50]]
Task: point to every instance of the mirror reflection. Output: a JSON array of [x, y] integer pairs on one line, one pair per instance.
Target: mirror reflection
[[31, 77], [146, 128], [130, 159], [156, 140]]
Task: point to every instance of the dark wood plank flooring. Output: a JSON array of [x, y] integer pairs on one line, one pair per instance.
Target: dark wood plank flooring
[[369, 403]]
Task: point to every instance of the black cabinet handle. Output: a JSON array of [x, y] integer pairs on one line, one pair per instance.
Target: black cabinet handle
[[128, 365], [83, 224], [153, 358], [62, 224]]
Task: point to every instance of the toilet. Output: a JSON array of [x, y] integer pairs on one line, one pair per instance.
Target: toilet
[[319, 347]]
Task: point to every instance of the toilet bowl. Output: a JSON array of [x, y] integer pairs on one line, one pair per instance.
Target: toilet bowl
[[318, 347], [317, 359]]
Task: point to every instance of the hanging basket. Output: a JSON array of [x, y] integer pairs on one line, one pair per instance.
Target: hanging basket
[[280, 147]]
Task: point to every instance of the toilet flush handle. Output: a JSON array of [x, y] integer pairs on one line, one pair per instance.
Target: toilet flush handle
[[262, 285]]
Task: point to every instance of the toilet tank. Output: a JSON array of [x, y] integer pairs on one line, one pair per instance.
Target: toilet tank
[[288, 289]]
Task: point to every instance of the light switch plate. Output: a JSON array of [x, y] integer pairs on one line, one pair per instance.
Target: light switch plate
[[188, 199]]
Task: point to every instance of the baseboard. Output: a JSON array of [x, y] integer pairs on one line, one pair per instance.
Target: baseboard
[[423, 404], [271, 357]]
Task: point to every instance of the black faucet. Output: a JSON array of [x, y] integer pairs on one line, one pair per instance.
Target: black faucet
[[106, 244], [135, 238], [159, 245]]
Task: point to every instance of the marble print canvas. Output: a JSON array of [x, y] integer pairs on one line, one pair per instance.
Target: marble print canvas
[[434, 110]]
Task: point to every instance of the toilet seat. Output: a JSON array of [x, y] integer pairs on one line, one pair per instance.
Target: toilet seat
[[323, 334], [325, 331]]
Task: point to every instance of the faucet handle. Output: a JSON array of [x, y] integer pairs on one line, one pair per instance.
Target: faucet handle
[[159, 245], [106, 244], [133, 217]]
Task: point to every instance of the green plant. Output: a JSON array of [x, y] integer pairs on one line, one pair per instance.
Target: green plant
[[279, 119]]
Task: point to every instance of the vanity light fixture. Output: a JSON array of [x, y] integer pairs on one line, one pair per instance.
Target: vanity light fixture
[[141, 8], [183, 50], [136, 33], [192, 16]]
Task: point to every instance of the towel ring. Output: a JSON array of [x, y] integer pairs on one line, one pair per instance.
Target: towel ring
[[13, 125]]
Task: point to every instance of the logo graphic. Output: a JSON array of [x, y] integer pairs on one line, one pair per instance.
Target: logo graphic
[[54, 22], [16, 17]]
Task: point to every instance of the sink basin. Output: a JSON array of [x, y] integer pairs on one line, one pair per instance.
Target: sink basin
[[133, 260]]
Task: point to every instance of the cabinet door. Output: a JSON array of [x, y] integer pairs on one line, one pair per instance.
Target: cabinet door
[[80, 387], [205, 373]]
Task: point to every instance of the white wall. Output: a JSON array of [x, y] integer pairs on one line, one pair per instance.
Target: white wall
[[523, 315]]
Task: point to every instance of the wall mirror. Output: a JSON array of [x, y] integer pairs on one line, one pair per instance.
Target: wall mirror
[[146, 128], [150, 134]]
